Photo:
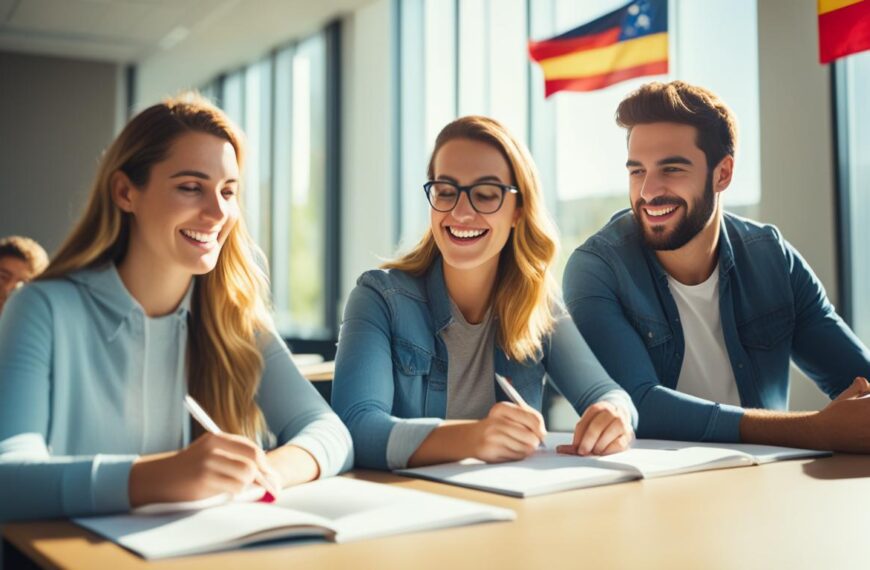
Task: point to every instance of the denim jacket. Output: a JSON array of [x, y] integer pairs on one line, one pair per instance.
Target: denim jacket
[[391, 366], [772, 307]]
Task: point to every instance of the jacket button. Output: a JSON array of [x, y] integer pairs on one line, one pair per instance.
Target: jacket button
[[649, 334], [740, 365]]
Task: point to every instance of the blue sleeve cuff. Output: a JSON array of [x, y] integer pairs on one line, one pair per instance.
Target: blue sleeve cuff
[[99, 486], [405, 437], [724, 424], [328, 441], [622, 400]]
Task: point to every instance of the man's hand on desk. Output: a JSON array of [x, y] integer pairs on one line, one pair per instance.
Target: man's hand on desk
[[843, 425]]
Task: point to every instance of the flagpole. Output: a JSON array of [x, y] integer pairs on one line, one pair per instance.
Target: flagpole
[[673, 35]]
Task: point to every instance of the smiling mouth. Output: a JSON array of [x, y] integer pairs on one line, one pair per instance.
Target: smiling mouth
[[661, 212], [466, 235], [200, 238]]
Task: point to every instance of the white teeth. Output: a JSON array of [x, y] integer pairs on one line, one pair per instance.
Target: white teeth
[[199, 236], [465, 233], [661, 212]]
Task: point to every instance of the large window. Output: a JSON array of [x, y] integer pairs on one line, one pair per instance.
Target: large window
[[853, 129], [287, 104], [469, 57]]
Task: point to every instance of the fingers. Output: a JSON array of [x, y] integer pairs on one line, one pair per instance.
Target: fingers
[[601, 415], [518, 438], [613, 431], [510, 446], [619, 444], [862, 386], [859, 387], [526, 416], [582, 425], [509, 432], [236, 450], [226, 465]]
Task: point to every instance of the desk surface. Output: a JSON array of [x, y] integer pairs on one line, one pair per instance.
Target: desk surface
[[803, 514], [318, 372]]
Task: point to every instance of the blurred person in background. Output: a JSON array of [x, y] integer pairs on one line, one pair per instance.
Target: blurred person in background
[[21, 259]]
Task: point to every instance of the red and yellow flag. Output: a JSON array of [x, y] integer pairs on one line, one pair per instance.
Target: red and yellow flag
[[844, 28], [629, 42]]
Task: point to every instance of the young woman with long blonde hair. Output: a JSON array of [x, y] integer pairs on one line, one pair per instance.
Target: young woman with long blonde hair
[[423, 338], [156, 293]]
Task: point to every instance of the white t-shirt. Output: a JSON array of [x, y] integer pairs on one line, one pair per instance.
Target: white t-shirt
[[706, 371]]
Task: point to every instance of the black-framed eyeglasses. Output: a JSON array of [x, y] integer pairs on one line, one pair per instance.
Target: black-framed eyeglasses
[[485, 197]]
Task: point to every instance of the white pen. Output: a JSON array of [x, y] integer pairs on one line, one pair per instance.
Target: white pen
[[513, 394], [208, 425], [200, 416], [511, 391]]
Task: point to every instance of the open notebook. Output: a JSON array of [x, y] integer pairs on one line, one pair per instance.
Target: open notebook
[[337, 509], [548, 472]]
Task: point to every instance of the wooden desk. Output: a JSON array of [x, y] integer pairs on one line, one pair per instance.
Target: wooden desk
[[798, 514], [319, 372]]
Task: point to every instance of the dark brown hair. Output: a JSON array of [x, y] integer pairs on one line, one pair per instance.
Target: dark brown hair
[[26, 250], [679, 102]]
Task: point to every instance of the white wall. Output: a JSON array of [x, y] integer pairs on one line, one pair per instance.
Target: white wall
[[56, 117], [797, 170]]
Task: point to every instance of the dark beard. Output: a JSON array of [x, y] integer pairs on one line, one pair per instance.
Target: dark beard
[[688, 228]]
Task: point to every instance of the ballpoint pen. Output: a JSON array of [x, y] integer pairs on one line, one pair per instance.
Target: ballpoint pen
[[210, 426]]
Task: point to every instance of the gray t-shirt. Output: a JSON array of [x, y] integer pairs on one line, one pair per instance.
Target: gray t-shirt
[[470, 366]]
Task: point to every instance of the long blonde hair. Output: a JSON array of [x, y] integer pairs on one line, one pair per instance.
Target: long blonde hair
[[525, 290], [229, 306]]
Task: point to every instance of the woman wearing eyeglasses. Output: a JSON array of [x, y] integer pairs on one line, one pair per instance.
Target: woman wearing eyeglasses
[[423, 339]]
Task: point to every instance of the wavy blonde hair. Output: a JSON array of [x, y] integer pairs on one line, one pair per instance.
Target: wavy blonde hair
[[525, 291], [229, 306]]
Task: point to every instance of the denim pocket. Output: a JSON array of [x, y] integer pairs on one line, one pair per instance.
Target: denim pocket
[[411, 360], [653, 331], [768, 330]]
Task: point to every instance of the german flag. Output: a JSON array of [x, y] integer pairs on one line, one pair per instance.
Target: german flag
[[844, 28], [629, 42]]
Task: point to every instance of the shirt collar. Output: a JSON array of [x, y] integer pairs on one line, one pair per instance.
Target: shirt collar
[[726, 252], [109, 292], [436, 292]]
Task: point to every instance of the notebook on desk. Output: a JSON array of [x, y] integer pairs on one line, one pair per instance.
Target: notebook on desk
[[337, 509], [549, 472]]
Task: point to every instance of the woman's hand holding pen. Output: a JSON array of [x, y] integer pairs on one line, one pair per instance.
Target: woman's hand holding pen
[[508, 433], [211, 465], [603, 429]]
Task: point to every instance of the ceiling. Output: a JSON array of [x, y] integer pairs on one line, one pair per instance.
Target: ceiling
[[131, 31]]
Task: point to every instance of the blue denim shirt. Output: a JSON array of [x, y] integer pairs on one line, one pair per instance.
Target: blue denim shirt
[[391, 366], [772, 307]]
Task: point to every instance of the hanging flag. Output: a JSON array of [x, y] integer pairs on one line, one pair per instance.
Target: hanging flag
[[629, 42], [844, 28]]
